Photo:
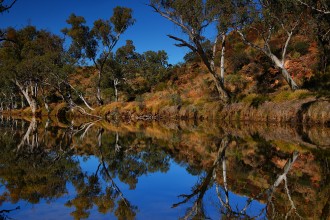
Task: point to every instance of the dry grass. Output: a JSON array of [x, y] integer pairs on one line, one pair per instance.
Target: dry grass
[[288, 95]]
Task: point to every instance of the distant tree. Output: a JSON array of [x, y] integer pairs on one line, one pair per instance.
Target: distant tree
[[154, 66], [5, 7], [96, 43], [125, 67], [192, 17], [27, 58], [134, 73], [265, 18]]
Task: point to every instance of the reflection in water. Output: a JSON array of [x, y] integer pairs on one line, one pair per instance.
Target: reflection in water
[[41, 161]]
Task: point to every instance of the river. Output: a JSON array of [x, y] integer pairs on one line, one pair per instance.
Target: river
[[52, 169]]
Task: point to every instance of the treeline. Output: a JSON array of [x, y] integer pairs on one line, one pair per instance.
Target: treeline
[[36, 68]]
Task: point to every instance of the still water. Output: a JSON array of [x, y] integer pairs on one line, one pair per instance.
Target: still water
[[162, 170]]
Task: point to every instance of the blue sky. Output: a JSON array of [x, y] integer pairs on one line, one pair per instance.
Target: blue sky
[[148, 33]]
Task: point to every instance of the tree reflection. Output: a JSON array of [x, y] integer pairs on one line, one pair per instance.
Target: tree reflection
[[4, 213], [39, 162], [197, 211], [90, 190], [30, 172], [34, 171], [128, 159]]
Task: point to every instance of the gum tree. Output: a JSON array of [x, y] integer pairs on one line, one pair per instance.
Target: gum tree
[[223, 13], [4, 7], [97, 43], [266, 18], [193, 17], [26, 58]]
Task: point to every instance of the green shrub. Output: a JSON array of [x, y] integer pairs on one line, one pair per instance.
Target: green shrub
[[176, 99], [296, 55], [160, 86], [87, 74], [319, 83], [259, 100], [236, 79], [139, 98], [301, 47], [282, 96], [239, 60]]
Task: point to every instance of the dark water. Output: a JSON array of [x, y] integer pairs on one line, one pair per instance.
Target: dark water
[[100, 170]]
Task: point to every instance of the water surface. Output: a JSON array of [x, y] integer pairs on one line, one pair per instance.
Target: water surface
[[162, 170]]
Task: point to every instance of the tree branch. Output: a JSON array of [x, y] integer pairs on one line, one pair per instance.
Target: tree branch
[[168, 17], [314, 8], [249, 43], [183, 43], [5, 8]]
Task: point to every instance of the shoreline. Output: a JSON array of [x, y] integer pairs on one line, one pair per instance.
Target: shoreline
[[308, 111]]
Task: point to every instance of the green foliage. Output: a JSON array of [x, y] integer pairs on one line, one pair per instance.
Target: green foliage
[[296, 55], [32, 58], [192, 56], [319, 83], [175, 99], [301, 47], [259, 100], [160, 86], [96, 43], [237, 80], [139, 98], [238, 60], [122, 19]]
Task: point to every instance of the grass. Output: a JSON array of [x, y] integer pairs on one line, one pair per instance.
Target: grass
[[255, 100], [289, 95]]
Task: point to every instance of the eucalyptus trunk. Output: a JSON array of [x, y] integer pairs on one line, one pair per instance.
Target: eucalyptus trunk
[[222, 59], [115, 83], [30, 98], [98, 94], [284, 71], [223, 94]]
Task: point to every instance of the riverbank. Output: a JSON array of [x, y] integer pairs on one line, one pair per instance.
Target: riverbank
[[309, 110]]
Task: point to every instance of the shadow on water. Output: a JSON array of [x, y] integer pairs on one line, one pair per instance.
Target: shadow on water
[[244, 171]]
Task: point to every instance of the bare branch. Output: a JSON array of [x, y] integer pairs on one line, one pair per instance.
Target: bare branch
[[249, 42], [183, 43], [169, 17], [314, 8], [285, 47], [5, 8]]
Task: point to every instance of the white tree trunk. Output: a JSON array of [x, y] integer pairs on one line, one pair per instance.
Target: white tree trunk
[[222, 59], [98, 94], [80, 96], [85, 102], [22, 102], [26, 139], [115, 83], [223, 95], [46, 106], [284, 71], [30, 99]]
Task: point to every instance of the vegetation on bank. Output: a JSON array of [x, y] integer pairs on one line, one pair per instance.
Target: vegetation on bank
[[270, 51]]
